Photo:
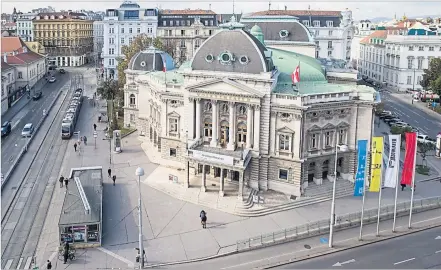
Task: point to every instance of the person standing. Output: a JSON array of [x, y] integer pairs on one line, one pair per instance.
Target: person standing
[[48, 265], [114, 179], [109, 171], [85, 140], [61, 181], [66, 182], [66, 252], [94, 127], [402, 187], [75, 146]]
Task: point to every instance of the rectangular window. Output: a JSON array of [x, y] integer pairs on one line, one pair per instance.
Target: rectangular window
[[421, 48], [122, 40], [111, 51], [317, 33], [314, 141], [171, 23], [173, 125], [410, 48], [177, 23], [283, 174], [418, 80], [410, 63], [420, 63], [329, 44], [188, 22], [306, 23], [316, 23], [173, 152], [111, 41], [284, 142], [130, 30], [329, 53], [409, 79], [330, 33], [328, 138], [138, 30], [20, 75], [122, 30], [329, 23], [431, 49], [341, 137], [164, 23], [130, 40], [182, 32]]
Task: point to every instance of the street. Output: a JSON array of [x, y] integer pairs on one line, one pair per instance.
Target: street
[[31, 113], [420, 250], [27, 195], [411, 114]]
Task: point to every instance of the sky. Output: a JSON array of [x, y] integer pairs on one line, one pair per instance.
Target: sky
[[361, 9]]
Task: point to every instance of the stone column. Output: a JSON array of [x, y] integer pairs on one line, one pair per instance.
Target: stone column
[[191, 121], [204, 179], [198, 118], [232, 127], [214, 139], [256, 127], [241, 180], [221, 184], [249, 126]]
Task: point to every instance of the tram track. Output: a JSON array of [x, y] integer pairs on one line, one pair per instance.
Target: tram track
[[24, 217]]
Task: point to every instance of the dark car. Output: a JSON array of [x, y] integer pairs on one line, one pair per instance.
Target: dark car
[[62, 71], [37, 96], [6, 128]]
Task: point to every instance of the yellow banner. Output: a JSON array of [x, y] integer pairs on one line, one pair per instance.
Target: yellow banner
[[377, 162]]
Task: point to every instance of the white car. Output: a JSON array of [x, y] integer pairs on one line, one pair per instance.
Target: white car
[[27, 130], [52, 79]]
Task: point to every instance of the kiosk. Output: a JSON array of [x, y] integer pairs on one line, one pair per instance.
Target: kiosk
[[117, 141]]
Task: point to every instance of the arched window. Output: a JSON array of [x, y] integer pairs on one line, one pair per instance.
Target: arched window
[[242, 133], [132, 99], [208, 127]]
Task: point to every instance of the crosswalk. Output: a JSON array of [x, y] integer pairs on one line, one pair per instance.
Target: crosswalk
[[23, 263]]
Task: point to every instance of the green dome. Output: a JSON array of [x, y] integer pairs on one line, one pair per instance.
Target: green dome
[[257, 32]]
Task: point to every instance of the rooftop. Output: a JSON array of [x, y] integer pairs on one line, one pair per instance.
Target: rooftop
[[5, 66], [23, 58], [186, 12], [73, 209], [323, 13], [11, 44], [378, 34], [64, 15]]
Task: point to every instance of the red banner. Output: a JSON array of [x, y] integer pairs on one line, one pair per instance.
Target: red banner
[[409, 159]]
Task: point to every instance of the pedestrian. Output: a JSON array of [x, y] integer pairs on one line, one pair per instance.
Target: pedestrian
[[114, 179], [109, 171], [75, 146], [414, 187], [99, 118], [94, 127], [49, 265], [66, 181], [66, 252], [402, 187], [85, 140], [61, 181]]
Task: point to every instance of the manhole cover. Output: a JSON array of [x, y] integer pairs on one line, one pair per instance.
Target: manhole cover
[[14, 188], [307, 246]]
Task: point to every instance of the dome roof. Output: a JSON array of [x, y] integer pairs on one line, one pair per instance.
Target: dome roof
[[232, 50], [257, 32], [128, 4], [143, 61]]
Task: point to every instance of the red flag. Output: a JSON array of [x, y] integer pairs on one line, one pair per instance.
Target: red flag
[[295, 76], [409, 159], [164, 67]]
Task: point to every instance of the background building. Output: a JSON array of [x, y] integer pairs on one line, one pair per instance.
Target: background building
[[121, 26], [67, 37], [362, 29], [8, 84], [183, 31], [98, 42], [372, 56], [332, 30], [25, 28]]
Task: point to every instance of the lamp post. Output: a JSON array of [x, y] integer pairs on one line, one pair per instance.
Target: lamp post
[[140, 172], [95, 135], [343, 148]]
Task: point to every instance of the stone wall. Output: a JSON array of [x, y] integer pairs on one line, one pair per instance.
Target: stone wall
[[167, 144]]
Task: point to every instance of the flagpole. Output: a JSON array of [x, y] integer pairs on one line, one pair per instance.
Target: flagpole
[[379, 194], [413, 184], [396, 194]]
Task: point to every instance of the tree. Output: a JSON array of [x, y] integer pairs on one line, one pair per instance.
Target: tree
[[429, 20], [379, 108], [432, 76], [109, 91], [400, 131], [173, 48], [423, 149], [141, 42]]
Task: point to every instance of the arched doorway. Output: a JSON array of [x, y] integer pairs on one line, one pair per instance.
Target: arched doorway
[[311, 172], [325, 169], [224, 129]]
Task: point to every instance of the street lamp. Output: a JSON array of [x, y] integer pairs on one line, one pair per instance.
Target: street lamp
[[95, 135], [343, 148], [140, 172]]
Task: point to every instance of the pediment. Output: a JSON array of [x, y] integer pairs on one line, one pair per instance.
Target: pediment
[[173, 114], [285, 130], [224, 86], [315, 127], [329, 126], [342, 125]]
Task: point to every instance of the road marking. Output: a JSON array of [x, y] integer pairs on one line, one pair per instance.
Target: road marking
[[28, 263], [8, 264], [342, 263], [19, 263], [408, 260], [300, 251], [116, 256], [438, 237], [439, 251]]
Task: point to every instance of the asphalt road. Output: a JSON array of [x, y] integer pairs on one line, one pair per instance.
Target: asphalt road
[[31, 113], [26, 196], [411, 114], [414, 251]]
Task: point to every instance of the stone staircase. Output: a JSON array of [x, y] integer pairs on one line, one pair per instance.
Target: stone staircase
[[343, 188]]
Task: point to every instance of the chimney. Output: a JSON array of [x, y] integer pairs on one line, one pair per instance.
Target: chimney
[[5, 58], [286, 7]]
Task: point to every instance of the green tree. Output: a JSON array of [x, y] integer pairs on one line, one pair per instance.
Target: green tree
[[429, 20], [379, 108], [432, 76], [141, 42], [424, 150], [400, 131], [109, 91]]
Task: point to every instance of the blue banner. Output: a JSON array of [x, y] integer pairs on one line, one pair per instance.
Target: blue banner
[[361, 167]]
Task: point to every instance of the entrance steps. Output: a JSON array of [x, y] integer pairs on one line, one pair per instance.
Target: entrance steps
[[342, 188]]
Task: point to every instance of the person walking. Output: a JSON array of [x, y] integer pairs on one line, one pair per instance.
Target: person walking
[[85, 140], [66, 252], [109, 171], [66, 182], [94, 127], [75, 146], [114, 179], [48, 265], [402, 187], [61, 181]]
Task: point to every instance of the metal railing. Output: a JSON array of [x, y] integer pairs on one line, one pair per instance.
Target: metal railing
[[342, 222]]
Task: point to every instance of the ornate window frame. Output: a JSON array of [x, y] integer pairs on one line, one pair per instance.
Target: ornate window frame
[[132, 97], [227, 61], [244, 60], [283, 33], [280, 174], [209, 58], [173, 124]]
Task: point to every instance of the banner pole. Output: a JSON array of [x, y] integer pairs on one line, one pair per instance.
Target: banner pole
[[396, 196], [363, 201], [413, 184], [379, 197]]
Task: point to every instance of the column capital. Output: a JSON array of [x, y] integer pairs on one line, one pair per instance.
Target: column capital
[[249, 106], [231, 103], [191, 99], [257, 107], [214, 101], [198, 99]]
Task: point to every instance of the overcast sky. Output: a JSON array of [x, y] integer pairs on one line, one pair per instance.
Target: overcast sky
[[361, 9]]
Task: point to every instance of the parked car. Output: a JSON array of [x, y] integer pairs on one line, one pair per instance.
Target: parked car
[[6, 128], [62, 71], [52, 79], [37, 96], [425, 139], [400, 124], [388, 120], [27, 130]]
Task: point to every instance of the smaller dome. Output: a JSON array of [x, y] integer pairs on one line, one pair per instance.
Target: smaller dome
[[257, 32], [143, 61]]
